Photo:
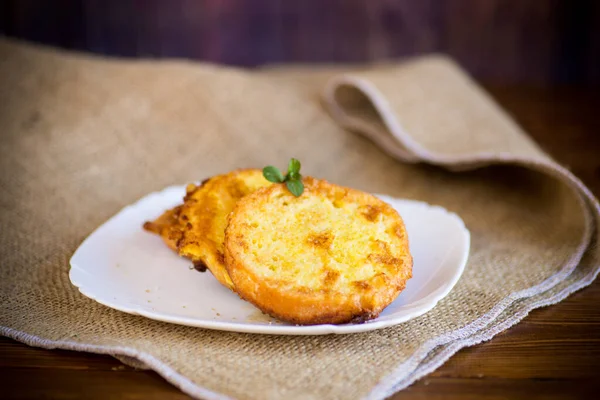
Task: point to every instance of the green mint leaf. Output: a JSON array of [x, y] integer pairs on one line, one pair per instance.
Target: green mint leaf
[[293, 179], [294, 166], [273, 174], [293, 176], [295, 186]]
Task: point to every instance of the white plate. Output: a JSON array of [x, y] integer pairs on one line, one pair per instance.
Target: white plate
[[125, 268]]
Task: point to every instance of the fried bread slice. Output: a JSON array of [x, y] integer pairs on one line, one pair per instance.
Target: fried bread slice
[[203, 217], [331, 255], [167, 227]]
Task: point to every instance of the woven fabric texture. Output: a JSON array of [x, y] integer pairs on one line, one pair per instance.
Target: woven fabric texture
[[82, 137]]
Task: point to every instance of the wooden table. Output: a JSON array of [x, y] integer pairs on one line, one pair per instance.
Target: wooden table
[[553, 353]]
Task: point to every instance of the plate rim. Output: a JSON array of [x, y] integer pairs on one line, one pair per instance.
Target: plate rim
[[245, 327]]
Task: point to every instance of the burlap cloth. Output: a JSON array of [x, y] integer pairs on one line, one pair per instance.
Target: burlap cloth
[[82, 137]]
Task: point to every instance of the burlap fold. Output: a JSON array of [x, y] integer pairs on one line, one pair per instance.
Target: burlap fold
[[83, 136]]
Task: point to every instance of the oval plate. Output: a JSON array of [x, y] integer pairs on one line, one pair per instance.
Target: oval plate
[[126, 268]]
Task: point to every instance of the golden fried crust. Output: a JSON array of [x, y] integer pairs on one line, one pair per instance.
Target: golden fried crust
[[332, 255], [203, 218], [167, 226]]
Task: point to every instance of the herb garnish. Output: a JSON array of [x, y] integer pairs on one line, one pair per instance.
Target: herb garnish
[[293, 179]]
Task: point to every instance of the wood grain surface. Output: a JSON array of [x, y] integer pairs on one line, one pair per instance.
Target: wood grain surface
[[543, 41], [553, 354]]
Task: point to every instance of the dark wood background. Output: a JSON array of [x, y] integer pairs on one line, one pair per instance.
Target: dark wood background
[[499, 41]]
